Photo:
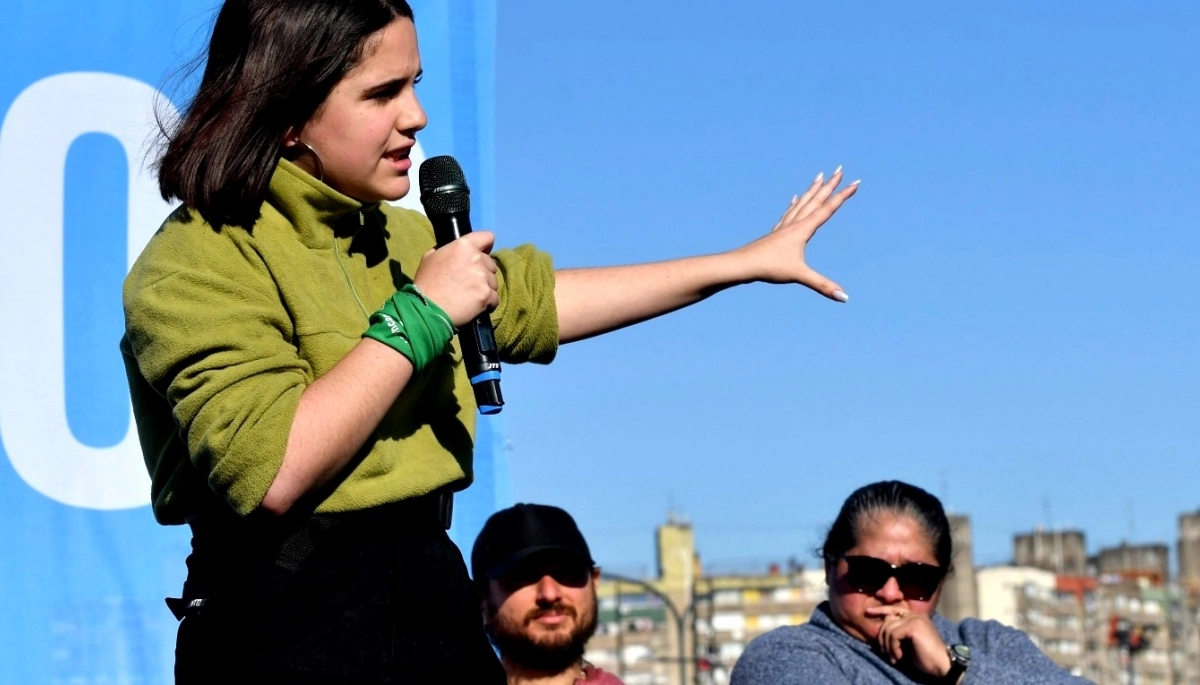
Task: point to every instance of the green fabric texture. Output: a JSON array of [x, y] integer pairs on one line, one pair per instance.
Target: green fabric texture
[[413, 325], [225, 328]]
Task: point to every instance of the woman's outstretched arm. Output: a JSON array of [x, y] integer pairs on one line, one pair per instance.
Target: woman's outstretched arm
[[597, 300]]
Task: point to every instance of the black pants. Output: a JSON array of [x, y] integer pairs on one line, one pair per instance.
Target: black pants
[[379, 596]]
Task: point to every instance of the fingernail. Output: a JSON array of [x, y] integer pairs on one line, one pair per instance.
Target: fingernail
[[841, 296], [837, 170], [819, 177], [856, 182], [795, 199]]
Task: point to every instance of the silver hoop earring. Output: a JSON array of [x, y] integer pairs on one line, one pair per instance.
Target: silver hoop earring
[[320, 166]]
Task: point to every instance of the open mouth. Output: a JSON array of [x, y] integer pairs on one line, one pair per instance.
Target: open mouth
[[399, 159]]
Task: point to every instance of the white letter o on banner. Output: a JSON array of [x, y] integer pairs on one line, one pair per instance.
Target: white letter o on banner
[[35, 138]]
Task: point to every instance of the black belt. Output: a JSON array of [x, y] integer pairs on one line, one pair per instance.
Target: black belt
[[303, 541], [297, 537]]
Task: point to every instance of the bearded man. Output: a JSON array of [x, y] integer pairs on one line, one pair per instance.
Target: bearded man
[[538, 583]]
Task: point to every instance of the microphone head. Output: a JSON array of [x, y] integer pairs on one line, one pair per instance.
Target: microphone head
[[444, 187]]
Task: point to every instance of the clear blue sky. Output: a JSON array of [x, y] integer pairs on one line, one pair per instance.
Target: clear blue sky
[[1022, 261]]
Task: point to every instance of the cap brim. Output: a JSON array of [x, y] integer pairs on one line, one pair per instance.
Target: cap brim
[[508, 564]]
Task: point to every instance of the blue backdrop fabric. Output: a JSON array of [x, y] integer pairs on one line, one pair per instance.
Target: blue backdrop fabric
[[83, 566]]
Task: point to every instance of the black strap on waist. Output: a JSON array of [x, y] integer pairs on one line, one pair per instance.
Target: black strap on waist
[[299, 545], [223, 542]]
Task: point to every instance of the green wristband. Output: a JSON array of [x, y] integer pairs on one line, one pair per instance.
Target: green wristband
[[413, 325]]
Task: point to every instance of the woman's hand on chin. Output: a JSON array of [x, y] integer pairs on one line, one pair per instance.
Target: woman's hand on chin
[[909, 639]]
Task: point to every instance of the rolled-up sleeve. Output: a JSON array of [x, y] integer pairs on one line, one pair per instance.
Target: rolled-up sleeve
[[526, 321], [214, 339]]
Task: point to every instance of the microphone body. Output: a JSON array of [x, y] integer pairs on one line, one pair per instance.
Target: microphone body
[[447, 202]]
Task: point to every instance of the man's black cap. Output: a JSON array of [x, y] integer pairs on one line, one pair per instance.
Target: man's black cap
[[512, 535]]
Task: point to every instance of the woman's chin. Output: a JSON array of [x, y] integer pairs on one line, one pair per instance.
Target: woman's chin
[[391, 191], [394, 193]]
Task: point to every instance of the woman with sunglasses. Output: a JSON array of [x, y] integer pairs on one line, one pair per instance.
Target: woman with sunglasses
[[886, 557]]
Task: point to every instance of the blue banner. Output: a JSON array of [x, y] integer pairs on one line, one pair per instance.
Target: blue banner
[[83, 567]]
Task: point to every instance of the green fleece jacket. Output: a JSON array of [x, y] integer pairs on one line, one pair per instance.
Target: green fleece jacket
[[225, 328]]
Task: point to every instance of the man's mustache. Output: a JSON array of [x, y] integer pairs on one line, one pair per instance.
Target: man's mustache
[[556, 608]]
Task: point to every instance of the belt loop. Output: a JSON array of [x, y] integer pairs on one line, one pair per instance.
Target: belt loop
[[446, 508]]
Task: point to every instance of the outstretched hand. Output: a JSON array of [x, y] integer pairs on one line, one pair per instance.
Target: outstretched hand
[[595, 301], [779, 256]]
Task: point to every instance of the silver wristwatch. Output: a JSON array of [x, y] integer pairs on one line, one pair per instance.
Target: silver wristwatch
[[960, 659]]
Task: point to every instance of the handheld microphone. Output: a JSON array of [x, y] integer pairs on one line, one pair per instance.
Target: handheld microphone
[[447, 202]]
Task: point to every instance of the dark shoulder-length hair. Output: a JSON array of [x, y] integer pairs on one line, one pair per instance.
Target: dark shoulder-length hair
[[889, 497], [271, 63]]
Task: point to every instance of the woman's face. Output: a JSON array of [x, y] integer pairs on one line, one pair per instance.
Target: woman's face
[[896, 539], [366, 128]]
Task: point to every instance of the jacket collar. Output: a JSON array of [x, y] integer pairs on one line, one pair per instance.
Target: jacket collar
[[317, 211]]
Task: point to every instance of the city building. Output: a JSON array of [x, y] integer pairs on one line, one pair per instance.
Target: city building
[[1122, 621], [1132, 562], [1188, 550], [1001, 586], [1103, 631], [641, 621], [1060, 551], [959, 592]]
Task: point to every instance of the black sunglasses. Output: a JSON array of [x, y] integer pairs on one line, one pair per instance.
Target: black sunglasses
[[569, 574], [916, 581]]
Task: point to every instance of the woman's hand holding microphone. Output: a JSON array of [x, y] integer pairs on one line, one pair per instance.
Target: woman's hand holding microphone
[[453, 285], [461, 277]]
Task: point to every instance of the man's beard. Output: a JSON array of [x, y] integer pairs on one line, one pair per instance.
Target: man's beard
[[550, 654]]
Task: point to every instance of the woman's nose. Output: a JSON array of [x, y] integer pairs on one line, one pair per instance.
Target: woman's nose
[[890, 592], [411, 117]]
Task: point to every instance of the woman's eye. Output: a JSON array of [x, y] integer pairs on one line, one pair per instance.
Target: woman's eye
[[385, 94], [391, 90]]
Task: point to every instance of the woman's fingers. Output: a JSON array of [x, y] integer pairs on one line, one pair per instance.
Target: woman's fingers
[[817, 214], [913, 638], [461, 277], [811, 278], [783, 219], [813, 189], [480, 240], [823, 192], [799, 202], [891, 638], [818, 197]]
